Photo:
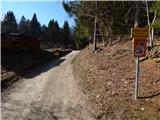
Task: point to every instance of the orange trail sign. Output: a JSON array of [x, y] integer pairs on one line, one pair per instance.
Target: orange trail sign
[[139, 33]]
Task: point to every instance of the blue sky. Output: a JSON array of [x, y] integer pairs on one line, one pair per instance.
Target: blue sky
[[45, 10]]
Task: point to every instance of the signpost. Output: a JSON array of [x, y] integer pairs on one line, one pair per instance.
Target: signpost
[[139, 36], [139, 32], [139, 47]]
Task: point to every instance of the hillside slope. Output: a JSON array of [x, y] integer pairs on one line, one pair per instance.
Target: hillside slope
[[107, 79]]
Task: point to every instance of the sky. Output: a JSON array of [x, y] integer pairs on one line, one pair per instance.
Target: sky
[[45, 10]]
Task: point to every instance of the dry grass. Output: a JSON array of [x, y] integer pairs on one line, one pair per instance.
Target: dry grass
[[107, 79]]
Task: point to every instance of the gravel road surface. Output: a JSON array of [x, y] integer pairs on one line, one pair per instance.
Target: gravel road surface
[[50, 92]]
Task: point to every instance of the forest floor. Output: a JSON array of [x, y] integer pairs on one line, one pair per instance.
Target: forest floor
[[107, 79]]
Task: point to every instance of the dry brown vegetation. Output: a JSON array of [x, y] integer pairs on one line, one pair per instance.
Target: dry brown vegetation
[[107, 79]]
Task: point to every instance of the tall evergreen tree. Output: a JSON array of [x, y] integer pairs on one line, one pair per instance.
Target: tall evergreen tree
[[66, 34], [55, 33], [35, 27], [58, 33], [9, 24], [51, 31], [24, 26], [44, 33], [57, 28]]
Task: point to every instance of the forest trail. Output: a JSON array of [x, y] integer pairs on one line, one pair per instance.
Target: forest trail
[[48, 93]]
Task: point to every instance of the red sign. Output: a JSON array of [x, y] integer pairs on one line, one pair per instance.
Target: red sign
[[139, 47]]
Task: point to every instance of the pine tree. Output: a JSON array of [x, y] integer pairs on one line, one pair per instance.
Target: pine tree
[[55, 33], [35, 27], [9, 24], [51, 32], [66, 34], [44, 33], [58, 34], [24, 26]]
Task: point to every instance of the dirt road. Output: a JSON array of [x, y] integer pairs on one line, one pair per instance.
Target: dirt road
[[48, 93]]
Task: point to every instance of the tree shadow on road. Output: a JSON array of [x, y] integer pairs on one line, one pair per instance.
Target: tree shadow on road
[[41, 69], [44, 61], [21, 61]]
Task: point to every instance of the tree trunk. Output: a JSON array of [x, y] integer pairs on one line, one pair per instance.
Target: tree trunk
[[94, 38], [136, 16], [103, 41], [149, 24], [95, 29], [152, 36], [152, 30], [100, 29]]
